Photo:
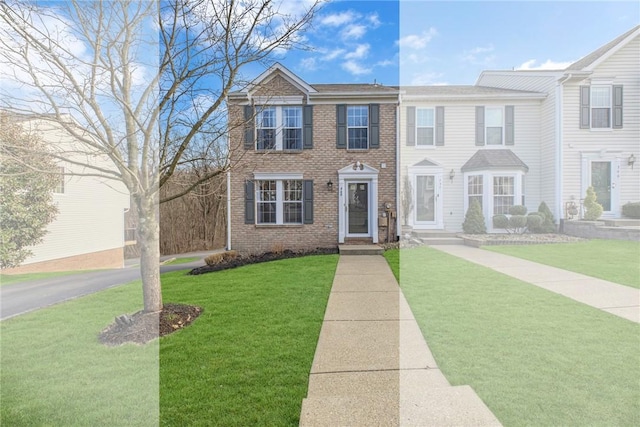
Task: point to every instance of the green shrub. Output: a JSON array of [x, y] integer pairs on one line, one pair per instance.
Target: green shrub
[[517, 223], [631, 210], [474, 219], [534, 222], [593, 208], [518, 210], [549, 223], [500, 221]]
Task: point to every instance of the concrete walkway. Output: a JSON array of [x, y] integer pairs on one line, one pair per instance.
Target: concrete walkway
[[372, 366], [620, 300]]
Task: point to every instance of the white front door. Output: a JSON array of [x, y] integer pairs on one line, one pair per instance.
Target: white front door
[[427, 197], [602, 172]]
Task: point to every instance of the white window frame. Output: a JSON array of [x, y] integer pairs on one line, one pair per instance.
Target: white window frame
[[475, 194], [609, 107], [60, 184], [511, 195], [366, 126], [280, 201], [432, 127], [279, 128], [486, 126]]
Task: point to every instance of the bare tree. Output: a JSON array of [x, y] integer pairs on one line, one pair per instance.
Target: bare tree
[[143, 81]]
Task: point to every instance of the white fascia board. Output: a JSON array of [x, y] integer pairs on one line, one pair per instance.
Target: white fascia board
[[272, 176], [407, 97], [611, 51], [278, 100]]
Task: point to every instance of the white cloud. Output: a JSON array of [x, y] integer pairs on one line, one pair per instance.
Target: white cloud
[[548, 65], [427, 78], [354, 31], [333, 54], [385, 63], [374, 19], [362, 50], [479, 55], [308, 64], [354, 68], [417, 41], [337, 19]]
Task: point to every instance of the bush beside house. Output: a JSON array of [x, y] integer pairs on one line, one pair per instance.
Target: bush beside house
[[593, 208], [474, 219], [631, 210]]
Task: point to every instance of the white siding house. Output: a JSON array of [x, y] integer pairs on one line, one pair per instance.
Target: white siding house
[[590, 124], [458, 143], [88, 231]]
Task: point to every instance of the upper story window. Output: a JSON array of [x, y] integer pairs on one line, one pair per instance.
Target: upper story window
[[358, 127], [59, 181], [425, 126], [494, 125], [601, 107], [279, 128]]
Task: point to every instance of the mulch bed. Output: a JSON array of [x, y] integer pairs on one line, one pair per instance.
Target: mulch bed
[[142, 327], [264, 257]]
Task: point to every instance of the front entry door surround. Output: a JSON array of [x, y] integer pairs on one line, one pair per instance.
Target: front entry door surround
[[358, 202]]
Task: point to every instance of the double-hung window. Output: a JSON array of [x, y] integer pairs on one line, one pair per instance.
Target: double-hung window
[[358, 127], [601, 107], [475, 188], [279, 201], [503, 194], [59, 181], [279, 128], [425, 127], [494, 125]]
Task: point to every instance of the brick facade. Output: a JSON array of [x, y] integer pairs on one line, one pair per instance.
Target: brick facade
[[320, 164]]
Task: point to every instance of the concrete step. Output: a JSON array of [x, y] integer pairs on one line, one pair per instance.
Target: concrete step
[[442, 241], [433, 233], [447, 406], [360, 250]]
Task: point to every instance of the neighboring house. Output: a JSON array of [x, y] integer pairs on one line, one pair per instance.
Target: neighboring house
[[312, 165], [88, 231], [590, 124], [460, 143]]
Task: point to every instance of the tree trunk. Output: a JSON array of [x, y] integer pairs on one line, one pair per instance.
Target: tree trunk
[[149, 240]]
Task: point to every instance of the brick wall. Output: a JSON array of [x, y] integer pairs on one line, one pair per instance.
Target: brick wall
[[319, 164]]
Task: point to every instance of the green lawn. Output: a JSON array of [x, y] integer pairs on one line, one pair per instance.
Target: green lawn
[[614, 260], [244, 361], [534, 357]]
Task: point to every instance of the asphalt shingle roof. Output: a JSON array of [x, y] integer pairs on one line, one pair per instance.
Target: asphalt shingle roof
[[462, 90], [494, 159], [596, 54]]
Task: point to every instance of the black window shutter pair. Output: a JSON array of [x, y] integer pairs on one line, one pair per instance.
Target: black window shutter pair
[[374, 126], [411, 126], [307, 127], [509, 131], [250, 202], [585, 107]]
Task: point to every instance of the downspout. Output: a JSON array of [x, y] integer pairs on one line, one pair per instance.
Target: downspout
[[398, 170], [559, 146], [228, 210]]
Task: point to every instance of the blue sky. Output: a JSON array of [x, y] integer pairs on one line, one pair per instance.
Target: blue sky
[[438, 42]]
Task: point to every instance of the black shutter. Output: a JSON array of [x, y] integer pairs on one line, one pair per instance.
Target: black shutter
[[479, 125], [585, 113], [249, 128], [249, 203], [617, 107], [307, 197], [439, 125], [509, 133], [341, 126], [307, 129], [374, 125], [411, 126]]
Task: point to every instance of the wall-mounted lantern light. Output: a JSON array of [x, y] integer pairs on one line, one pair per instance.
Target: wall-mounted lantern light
[[452, 174], [631, 160], [330, 186]]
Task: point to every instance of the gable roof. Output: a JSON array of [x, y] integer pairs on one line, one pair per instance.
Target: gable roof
[[489, 159], [279, 69], [590, 61]]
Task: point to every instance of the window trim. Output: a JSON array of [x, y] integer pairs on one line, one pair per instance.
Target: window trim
[[279, 179], [610, 107], [365, 107], [502, 127], [279, 127], [60, 184], [433, 127]]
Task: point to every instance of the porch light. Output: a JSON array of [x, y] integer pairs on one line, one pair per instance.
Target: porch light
[[452, 174], [631, 160], [330, 186]]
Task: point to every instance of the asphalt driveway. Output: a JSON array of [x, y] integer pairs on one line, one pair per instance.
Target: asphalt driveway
[[29, 296]]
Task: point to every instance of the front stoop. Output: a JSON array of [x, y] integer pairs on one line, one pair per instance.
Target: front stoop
[[360, 250]]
